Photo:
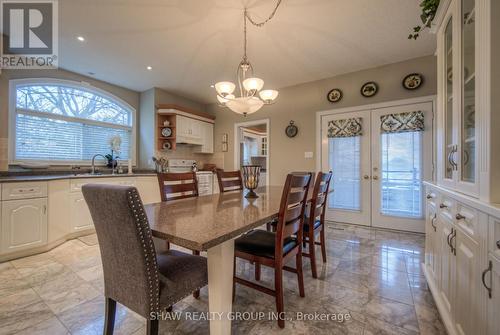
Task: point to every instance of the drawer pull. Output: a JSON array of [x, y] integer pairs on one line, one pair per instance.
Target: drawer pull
[[498, 244], [429, 196], [483, 276], [454, 234], [460, 217], [443, 206], [448, 238]]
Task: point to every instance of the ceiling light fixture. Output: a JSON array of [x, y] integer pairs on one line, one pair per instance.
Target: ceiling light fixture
[[149, 68], [81, 38], [248, 102]]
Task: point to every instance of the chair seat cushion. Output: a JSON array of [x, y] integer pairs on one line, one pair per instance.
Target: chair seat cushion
[[317, 223], [180, 275], [262, 243]]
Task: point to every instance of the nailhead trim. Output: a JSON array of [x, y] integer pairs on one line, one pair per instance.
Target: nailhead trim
[[144, 231]]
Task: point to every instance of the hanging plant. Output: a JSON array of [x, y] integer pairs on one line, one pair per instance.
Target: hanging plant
[[429, 9]]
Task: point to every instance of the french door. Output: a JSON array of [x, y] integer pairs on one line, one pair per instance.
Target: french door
[[379, 158]]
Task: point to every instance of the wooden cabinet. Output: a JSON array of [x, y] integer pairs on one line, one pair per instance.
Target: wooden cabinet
[[467, 284], [24, 224]]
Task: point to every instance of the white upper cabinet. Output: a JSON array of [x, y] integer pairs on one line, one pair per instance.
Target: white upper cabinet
[[467, 161], [188, 130], [207, 138]]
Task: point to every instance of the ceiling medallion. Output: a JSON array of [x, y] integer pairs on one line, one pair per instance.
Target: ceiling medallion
[[251, 96]]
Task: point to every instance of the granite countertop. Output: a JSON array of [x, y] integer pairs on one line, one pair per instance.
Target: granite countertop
[[46, 175], [201, 223]]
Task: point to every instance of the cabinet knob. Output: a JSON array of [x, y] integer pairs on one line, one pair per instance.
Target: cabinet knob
[[498, 244], [429, 196], [375, 177], [366, 177], [443, 206], [460, 217]]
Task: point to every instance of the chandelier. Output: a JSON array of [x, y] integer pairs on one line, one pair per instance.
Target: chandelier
[[251, 96]]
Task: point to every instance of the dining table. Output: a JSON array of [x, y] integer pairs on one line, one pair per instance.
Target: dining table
[[211, 223]]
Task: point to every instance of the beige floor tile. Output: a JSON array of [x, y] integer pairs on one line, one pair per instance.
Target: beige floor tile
[[50, 326]]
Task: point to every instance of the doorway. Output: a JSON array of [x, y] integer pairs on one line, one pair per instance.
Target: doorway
[[379, 158], [252, 146]]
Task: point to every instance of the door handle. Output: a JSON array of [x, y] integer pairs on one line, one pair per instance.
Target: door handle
[[453, 249], [483, 276], [448, 238]]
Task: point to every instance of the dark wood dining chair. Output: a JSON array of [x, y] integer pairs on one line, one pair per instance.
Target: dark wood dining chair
[[135, 275], [314, 223], [175, 186], [274, 249], [229, 180]]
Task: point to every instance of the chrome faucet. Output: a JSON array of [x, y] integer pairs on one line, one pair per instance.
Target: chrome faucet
[[93, 171]]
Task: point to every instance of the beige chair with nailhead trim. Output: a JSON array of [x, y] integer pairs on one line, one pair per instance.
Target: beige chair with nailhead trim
[[134, 274]]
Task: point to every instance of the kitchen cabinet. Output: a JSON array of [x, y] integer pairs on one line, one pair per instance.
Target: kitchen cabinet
[[188, 130], [24, 224], [447, 265], [467, 284], [80, 218], [432, 236], [207, 138], [492, 284], [467, 160]]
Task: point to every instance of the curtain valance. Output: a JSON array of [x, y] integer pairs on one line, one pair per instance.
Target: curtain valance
[[402, 122], [345, 128]]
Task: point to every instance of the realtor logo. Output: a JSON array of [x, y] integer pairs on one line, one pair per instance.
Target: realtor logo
[[29, 34]]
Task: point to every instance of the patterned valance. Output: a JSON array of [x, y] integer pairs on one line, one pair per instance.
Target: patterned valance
[[345, 128], [402, 122]]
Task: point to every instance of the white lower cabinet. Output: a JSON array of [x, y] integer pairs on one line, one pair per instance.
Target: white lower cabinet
[[491, 285], [24, 224], [467, 284], [431, 240], [447, 265], [80, 218]]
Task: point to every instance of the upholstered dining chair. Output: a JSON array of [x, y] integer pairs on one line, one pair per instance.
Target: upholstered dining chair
[[274, 249], [314, 223], [134, 274], [174, 186], [229, 180]]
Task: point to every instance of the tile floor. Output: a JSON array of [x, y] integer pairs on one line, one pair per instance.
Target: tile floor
[[374, 276]]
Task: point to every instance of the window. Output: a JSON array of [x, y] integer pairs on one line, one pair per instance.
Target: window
[[62, 122]]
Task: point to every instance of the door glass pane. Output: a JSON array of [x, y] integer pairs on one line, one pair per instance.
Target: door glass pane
[[469, 92], [448, 60], [344, 161], [402, 174]]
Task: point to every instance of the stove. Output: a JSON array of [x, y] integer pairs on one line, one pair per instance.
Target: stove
[[205, 178]]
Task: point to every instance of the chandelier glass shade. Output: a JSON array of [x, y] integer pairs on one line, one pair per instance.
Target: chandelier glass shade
[[251, 97]]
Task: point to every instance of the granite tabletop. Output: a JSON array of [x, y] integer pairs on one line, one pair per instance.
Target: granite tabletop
[[203, 222]]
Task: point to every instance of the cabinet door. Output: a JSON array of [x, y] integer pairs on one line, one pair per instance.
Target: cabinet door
[[468, 317], [24, 224], [207, 138], [430, 240], [492, 278], [80, 214], [447, 266]]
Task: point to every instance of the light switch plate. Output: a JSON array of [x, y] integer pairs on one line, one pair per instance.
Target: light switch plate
[[308, 154]]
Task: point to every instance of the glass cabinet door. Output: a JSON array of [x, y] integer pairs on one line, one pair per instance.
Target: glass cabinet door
[[448, 113], [468, 118]]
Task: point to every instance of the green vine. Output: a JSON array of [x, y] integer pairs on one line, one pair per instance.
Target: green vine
[[429, 9]]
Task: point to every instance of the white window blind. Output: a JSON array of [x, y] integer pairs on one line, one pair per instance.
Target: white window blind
[[58, 123]]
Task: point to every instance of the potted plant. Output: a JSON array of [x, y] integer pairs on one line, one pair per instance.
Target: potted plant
[[429, 9], [115, 143]]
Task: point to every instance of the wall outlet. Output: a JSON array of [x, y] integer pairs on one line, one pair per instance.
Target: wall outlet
[[308, 154]]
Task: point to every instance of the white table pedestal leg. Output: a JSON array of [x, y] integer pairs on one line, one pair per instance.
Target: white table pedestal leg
[[220, 286]]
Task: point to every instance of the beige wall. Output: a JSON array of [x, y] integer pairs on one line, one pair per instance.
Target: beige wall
[[127, 95], [301, 102]]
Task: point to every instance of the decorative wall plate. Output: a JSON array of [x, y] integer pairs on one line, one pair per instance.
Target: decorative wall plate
[[167, 145], [166, 132], [334, 95], [291, 130], [369, 89], [413, 81]]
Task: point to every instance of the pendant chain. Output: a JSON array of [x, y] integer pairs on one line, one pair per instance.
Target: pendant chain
[[257, 24]]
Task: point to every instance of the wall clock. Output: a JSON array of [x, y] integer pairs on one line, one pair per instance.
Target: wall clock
[[413, 81], [369, 89], [291, 130], [334, 95]]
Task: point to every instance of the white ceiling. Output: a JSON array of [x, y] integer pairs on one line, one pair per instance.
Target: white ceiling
[[192, 44]]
